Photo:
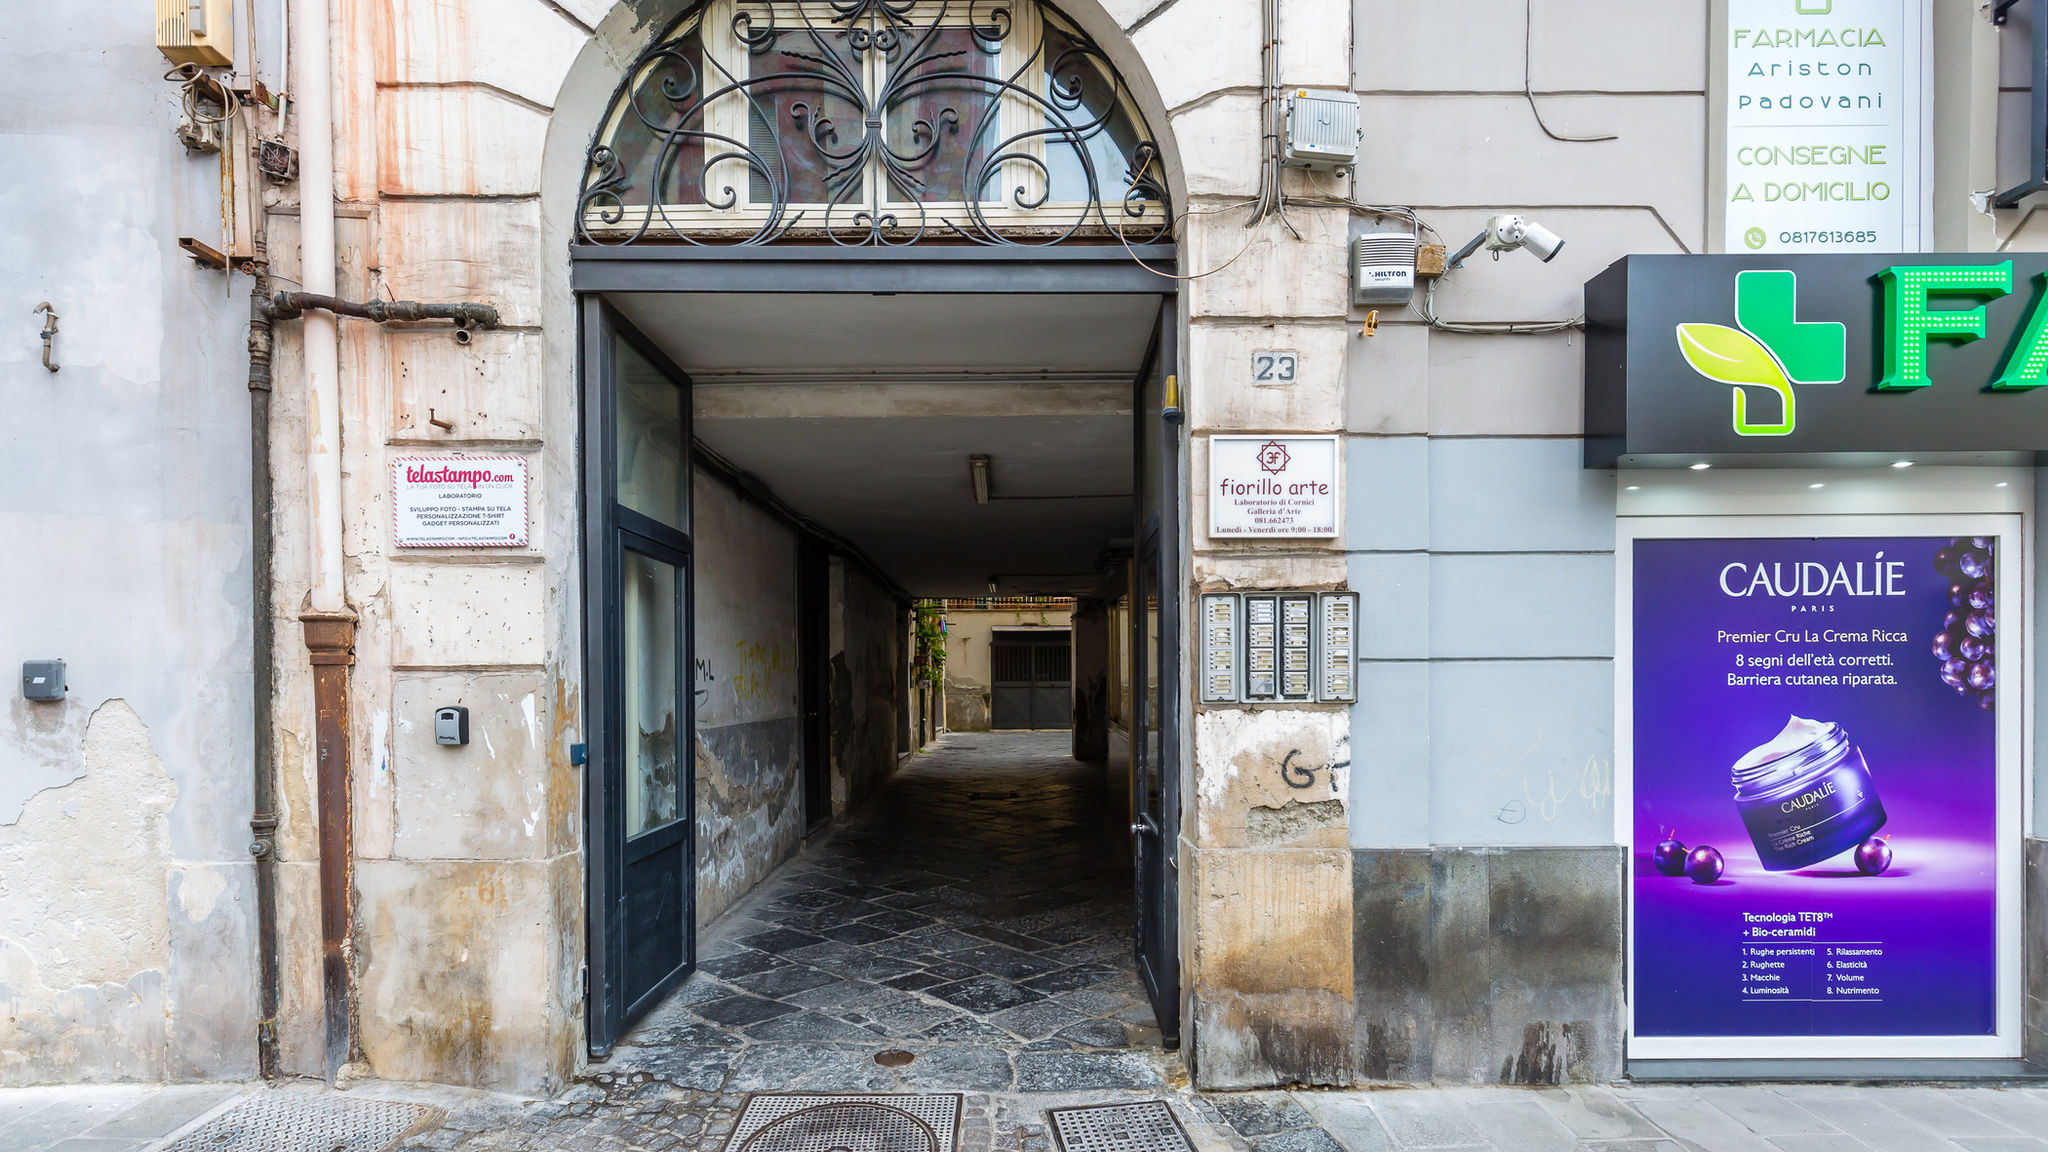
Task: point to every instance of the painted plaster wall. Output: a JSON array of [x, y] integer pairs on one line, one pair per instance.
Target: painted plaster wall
[[1483, 551], [968, 634], [749, 746], [126, 915]]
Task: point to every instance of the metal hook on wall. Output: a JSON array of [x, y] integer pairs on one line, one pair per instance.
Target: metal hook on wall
[[49, 332]]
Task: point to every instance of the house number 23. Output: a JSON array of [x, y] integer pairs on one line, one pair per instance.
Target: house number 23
[[1273, 367]]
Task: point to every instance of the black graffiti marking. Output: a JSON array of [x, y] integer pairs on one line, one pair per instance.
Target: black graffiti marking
[[1296, 777], [1512, 812]]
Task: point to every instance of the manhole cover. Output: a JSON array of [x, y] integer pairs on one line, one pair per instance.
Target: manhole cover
[[801, 1122], [1147, 1126], [303, 1122]]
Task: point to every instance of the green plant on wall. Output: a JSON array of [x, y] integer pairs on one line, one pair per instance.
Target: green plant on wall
[[929, 658]]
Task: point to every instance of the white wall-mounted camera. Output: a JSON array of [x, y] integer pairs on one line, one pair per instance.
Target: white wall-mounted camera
[[1507, 233]]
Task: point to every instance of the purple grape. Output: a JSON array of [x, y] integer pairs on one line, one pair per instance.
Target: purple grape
[[1958, 595], [1980, 625], [1973, 564], [1981, 676], [1981, 543], [1980, 597], [1704, 864], [1953, 671], [1953, 621], [1669, 857], [1944, 648], [1986, 701], [1873, 856], [1945, 559], [1971, 648]]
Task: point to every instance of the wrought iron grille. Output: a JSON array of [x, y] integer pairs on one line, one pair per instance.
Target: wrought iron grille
[[879, 122]]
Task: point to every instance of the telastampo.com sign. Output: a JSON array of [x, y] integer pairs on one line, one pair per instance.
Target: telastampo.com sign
[[1272, 486], [473, 501]]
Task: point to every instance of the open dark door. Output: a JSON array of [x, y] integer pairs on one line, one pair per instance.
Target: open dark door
[[638, 670], [1155, 668], [814, 675]]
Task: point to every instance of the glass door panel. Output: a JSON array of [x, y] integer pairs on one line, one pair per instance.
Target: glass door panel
[[653, 453], [650, 598]]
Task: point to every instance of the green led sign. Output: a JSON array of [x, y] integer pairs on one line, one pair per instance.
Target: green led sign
[[1817, 353], [1770, 349]]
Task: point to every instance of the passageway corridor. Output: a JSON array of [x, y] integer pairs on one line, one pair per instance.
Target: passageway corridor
[[975, 914]]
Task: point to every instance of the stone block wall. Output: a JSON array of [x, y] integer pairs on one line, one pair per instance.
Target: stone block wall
[[1489, 965]]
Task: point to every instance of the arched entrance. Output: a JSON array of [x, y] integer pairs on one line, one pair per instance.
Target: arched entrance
[[826, 255]]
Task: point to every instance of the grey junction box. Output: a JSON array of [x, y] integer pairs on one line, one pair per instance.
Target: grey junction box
[[42, 679]]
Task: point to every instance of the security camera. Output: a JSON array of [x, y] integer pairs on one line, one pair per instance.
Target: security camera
[[1507, 233]]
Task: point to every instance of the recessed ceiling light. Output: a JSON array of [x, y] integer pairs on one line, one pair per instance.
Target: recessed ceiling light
[[2000, 484], [1702, 466], [1635, 487], [1816, 485], [1902, 463]]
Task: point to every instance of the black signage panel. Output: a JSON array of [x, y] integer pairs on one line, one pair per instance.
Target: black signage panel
[[1704, 356]]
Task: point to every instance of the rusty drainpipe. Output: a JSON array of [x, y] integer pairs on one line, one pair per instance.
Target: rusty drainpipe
[[263, 641]]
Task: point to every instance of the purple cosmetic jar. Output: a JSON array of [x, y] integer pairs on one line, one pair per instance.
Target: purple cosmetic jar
[[1806, 801]]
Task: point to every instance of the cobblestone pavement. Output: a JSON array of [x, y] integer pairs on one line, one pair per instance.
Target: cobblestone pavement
[[976, 914]]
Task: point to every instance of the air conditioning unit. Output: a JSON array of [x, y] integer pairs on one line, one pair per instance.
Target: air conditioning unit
[[200, 32], [1322, 131], [1383, 267]]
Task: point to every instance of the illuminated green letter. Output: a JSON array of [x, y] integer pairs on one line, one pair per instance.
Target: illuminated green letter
[[2028, 367], [1909, 325]]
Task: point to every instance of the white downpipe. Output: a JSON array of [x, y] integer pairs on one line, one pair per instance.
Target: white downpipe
[[312, 92]]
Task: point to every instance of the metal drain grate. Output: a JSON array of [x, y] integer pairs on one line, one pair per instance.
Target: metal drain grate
[[817, 1122], [302, 1122], [1147, 1126]]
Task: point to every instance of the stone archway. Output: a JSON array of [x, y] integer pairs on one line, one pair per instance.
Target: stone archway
[[440, 213]]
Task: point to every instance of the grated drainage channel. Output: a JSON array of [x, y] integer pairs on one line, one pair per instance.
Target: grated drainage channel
[[1146, 1126], [274, 1121], [814, 1122]]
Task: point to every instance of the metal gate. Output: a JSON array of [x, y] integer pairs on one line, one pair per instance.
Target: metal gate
[[1032, 680]]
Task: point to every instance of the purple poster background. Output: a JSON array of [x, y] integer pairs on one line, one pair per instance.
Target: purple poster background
[[1823, 950]]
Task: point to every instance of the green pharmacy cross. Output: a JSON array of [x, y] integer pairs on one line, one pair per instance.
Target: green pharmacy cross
[[1770, 349]]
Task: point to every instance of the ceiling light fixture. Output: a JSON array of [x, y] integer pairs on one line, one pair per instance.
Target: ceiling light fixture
[[1902, 463], [1635, 487], [1816, 485], [1702, 466], [977, 469]]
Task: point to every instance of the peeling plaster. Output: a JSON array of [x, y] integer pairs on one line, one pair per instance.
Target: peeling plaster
[[86, 914]]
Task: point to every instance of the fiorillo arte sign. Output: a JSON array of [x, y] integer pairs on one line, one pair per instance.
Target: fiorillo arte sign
[[1272, 486], [461, 501]]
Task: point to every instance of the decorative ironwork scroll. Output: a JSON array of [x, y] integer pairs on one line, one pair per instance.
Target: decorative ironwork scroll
[[872, 122]]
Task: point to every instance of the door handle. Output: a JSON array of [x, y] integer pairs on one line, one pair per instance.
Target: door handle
[[1143, 825]]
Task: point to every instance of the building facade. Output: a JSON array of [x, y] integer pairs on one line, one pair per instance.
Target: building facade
[[242, 840]]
